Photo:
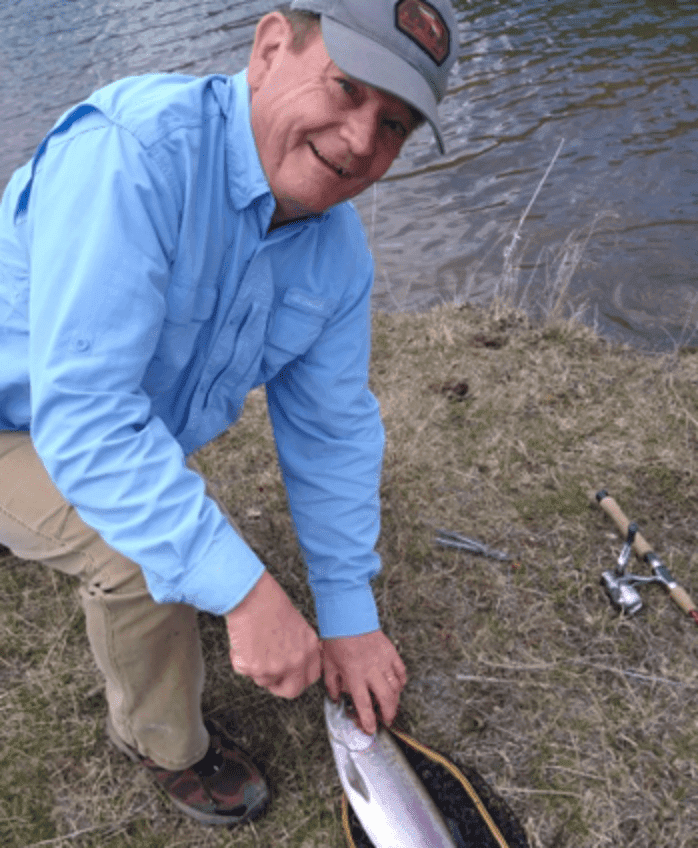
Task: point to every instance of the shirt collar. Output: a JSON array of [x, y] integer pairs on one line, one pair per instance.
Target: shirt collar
[[246, 180]]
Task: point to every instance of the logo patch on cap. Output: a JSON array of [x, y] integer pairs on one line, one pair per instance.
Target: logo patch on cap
[[421, 22]]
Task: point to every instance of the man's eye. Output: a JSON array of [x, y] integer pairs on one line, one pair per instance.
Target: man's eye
[[397, 127], [346, 85]]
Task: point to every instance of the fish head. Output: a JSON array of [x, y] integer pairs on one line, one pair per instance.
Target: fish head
[[347, 741], [343, 730]]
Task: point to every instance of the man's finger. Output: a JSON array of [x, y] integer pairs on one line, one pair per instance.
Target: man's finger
[[401, 672], [388, 699], [393, 681], [364, 710], [333, 684], [314, 671], [290, 687]]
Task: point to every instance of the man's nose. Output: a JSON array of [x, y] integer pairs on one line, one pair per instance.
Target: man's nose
[[360, 128]]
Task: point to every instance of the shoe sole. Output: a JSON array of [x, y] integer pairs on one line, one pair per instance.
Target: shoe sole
[[205, 818]]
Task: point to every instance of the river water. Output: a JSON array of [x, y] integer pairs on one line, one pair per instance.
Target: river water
[[602, 95]]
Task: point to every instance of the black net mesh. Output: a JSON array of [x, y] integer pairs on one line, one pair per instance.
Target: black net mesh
[[468, 826]]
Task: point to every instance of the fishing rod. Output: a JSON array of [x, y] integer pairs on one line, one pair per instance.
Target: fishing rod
[[621, 586]]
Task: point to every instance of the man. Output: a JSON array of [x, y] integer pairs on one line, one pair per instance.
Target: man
[[173, 243]]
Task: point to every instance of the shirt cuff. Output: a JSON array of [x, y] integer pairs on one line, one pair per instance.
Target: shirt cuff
[[349, 613], [221, 580]]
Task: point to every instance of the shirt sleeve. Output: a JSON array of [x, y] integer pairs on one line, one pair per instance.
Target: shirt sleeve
[[330, 440], [102, 218]]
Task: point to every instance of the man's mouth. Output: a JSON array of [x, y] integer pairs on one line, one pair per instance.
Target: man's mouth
[[341, 172]]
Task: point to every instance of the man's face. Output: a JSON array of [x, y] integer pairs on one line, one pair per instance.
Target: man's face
[[321, 135]]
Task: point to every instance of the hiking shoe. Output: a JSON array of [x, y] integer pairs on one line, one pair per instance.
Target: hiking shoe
[[225, 787]]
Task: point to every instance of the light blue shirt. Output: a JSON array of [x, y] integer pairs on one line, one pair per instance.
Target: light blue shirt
[[142, 297]]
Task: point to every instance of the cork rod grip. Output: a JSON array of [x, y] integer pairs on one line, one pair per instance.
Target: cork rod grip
[[611, 508], [683, 599]]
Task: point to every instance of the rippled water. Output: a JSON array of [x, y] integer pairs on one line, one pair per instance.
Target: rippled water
[[615, 82]]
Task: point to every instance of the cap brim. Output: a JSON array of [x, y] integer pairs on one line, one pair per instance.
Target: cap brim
[[368, 61]]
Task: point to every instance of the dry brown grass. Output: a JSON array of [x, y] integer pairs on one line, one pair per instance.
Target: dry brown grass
[[584, 721]]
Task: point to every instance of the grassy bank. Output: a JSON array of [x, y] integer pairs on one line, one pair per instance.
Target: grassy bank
[[585, 722]]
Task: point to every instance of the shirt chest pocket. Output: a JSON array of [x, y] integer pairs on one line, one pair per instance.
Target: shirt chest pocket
[[293, 327], [187, 310]]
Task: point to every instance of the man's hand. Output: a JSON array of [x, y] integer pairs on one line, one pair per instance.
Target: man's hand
[[361, 665], [271, 642]]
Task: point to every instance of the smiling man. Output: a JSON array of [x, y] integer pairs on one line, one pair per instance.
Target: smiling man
[[173, 243], [322, 135]]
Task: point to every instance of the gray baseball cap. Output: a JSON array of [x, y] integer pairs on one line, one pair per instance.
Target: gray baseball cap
[[405, 47]]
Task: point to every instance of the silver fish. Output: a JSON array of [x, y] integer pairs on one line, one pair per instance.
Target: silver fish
[[384, 791]]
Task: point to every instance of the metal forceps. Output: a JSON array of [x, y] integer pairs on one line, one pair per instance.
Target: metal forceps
[[450, 539]]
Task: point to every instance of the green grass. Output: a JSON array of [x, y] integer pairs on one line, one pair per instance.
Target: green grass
[[585, 722]]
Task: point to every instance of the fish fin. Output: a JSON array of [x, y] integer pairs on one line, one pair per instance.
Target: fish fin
[[357, 782]]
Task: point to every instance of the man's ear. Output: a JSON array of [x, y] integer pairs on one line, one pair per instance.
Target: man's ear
[[272, 37]]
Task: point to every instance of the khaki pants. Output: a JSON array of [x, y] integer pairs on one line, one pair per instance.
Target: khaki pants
[[149, 653]]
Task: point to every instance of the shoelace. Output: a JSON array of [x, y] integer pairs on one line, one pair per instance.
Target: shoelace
[[211, 763]]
